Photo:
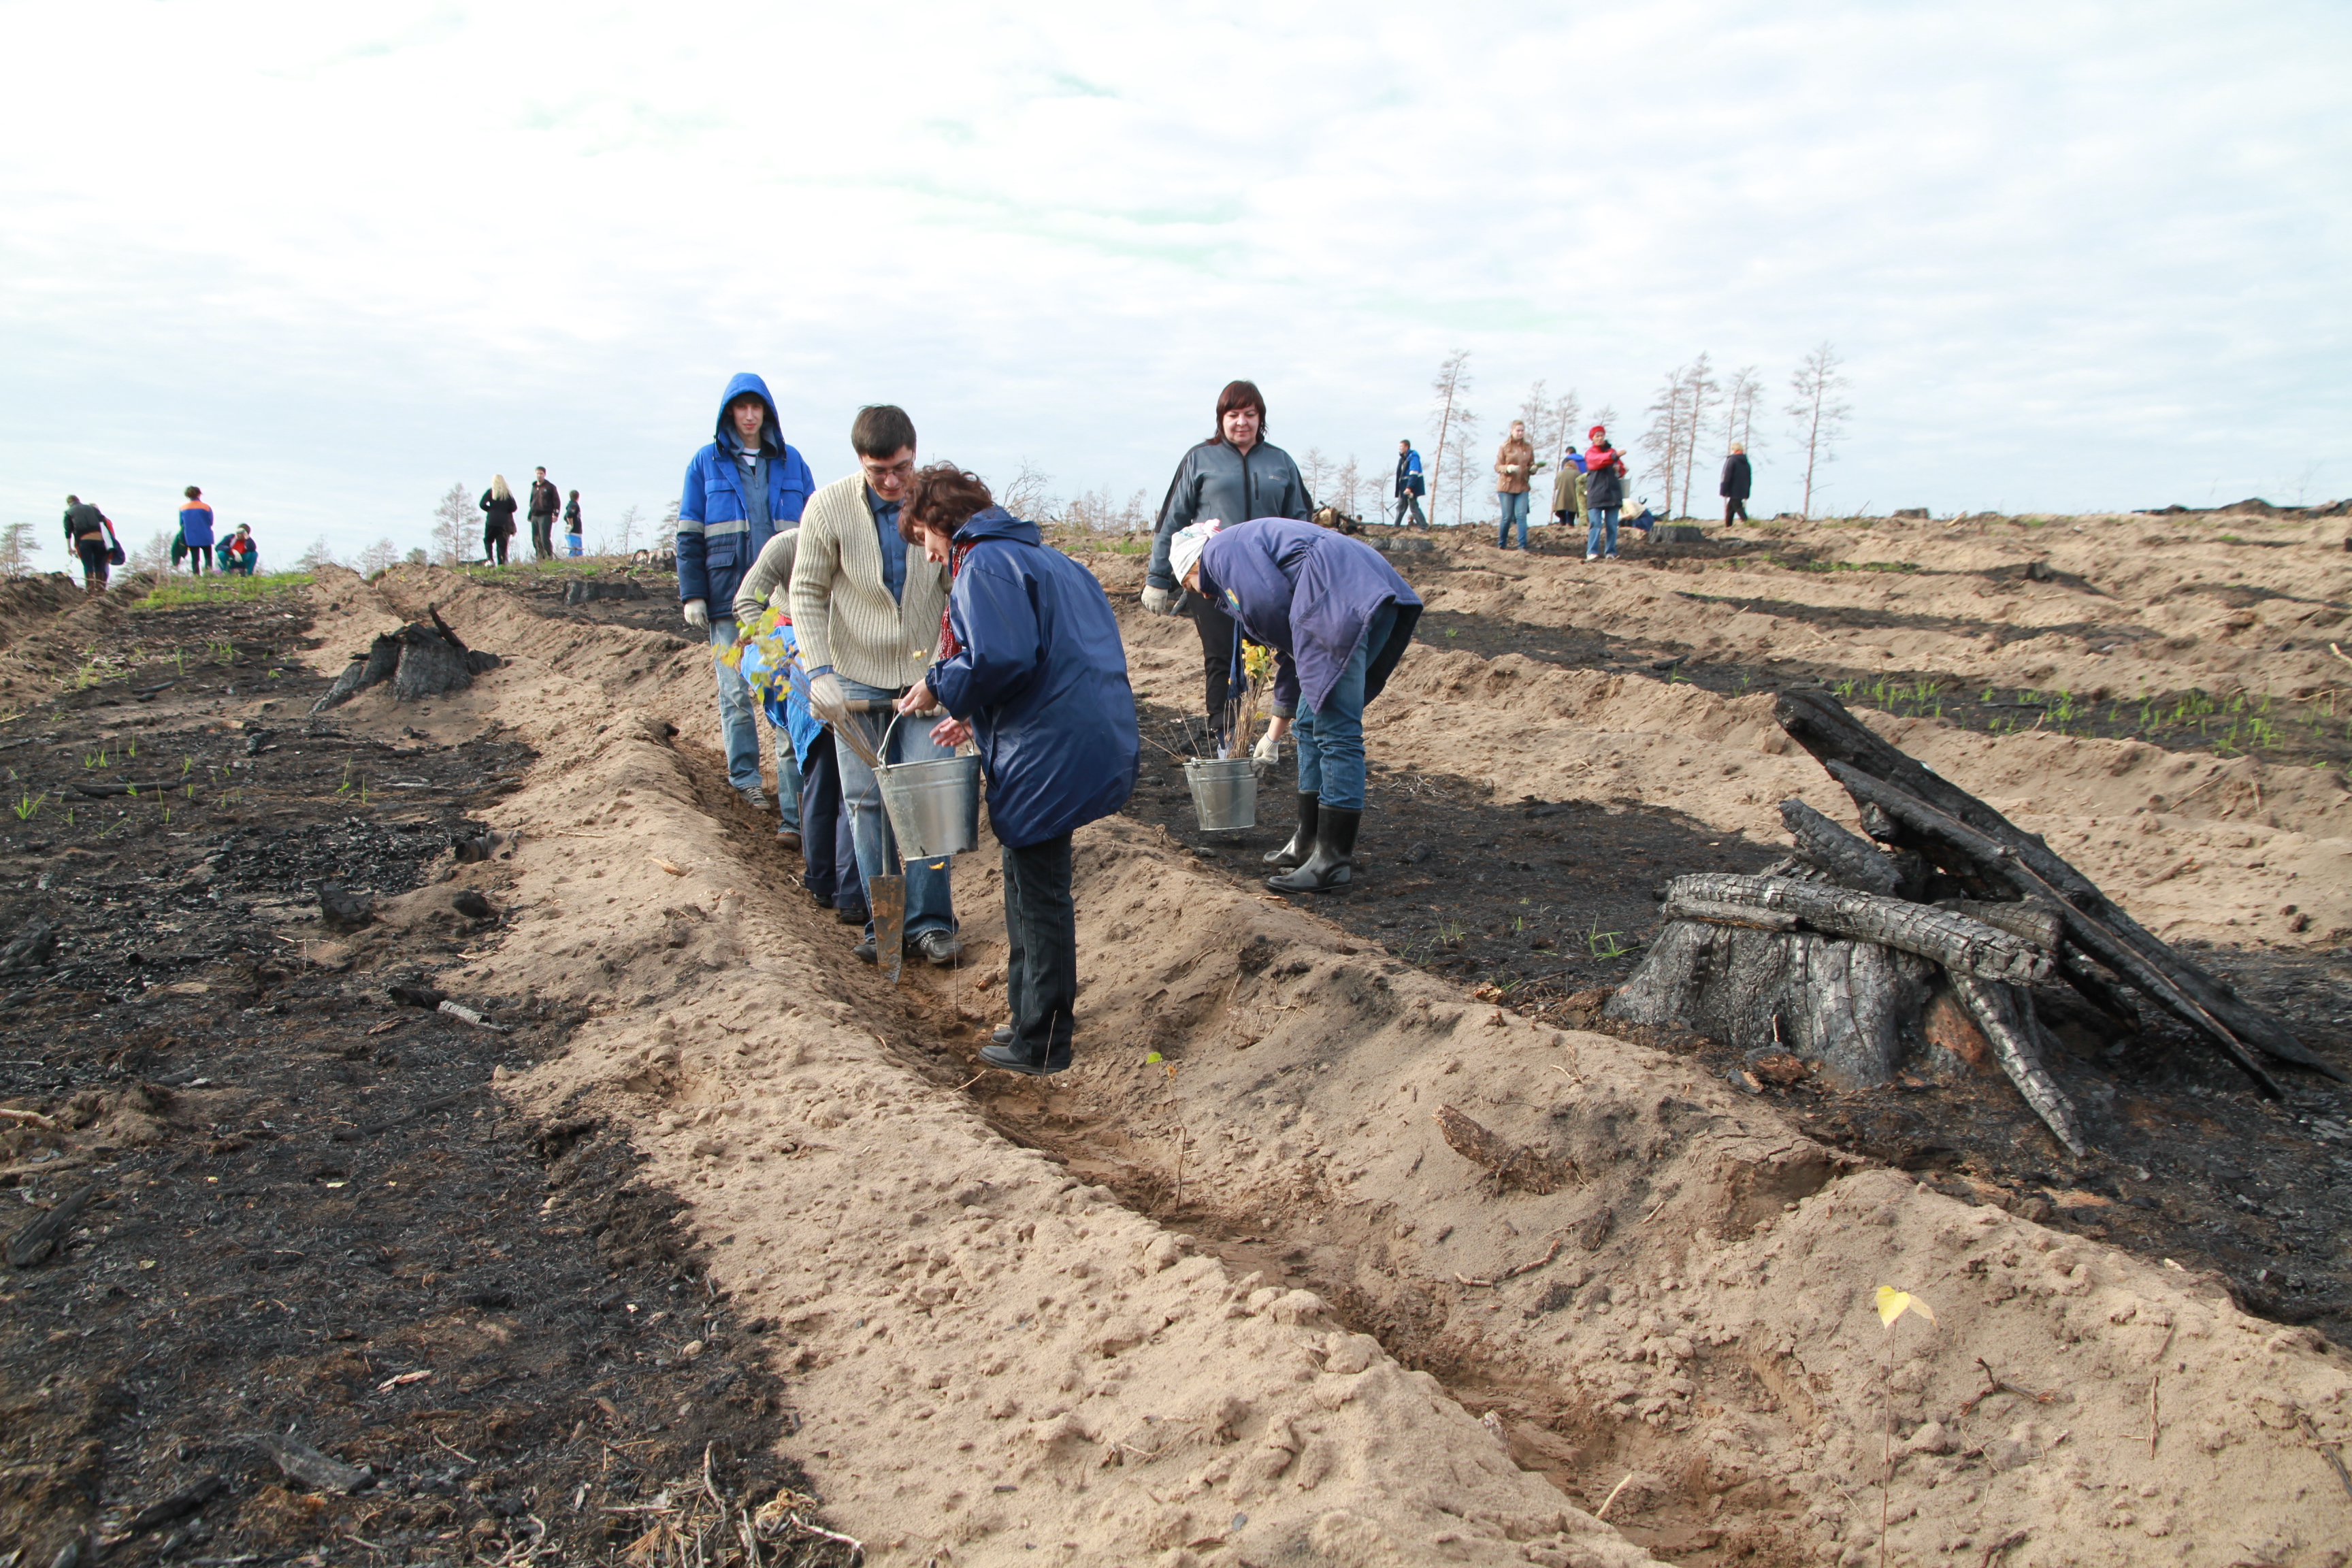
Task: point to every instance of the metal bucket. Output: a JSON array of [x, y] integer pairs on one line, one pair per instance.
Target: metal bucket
[[1224, 793], [934, 806]]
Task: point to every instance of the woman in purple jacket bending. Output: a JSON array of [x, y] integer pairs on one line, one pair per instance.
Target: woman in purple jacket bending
[[1338, 618]]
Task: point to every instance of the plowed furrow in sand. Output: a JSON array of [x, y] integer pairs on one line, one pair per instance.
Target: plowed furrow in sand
[[1028, 1341]]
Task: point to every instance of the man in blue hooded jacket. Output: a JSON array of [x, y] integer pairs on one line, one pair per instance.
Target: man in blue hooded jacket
[[740, 490], [1030, 666]]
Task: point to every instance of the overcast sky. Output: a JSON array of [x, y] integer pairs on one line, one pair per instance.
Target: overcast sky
[[326, 260]]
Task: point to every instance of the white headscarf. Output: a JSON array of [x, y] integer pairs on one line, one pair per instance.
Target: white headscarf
[[1185, 549]]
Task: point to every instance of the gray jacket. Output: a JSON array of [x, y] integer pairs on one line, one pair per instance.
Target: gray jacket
[[1215, 482], [771, 572]]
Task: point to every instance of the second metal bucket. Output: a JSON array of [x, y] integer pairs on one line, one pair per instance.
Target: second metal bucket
[[934, 806], [1224, 793]]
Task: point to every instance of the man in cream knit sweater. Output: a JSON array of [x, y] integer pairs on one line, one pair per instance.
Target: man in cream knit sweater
[[865, 609]]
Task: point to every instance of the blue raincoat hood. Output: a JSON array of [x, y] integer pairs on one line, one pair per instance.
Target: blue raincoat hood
[[772, 429]]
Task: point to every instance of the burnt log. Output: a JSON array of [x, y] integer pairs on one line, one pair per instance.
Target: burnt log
[[37, 1237], [1958, 944], [306, 1465], [2005, 1014], [419, 660], [2035, 922], [1851, 860], [2003, 864], [1820, 724], [1854, 1006]]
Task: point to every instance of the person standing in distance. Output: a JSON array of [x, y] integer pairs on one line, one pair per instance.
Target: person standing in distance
[[1514, 461], [865, 611], [1233, 475], [90, 536], [741, 488], [1605, 492], [196, 528], [498, 521], [1409, 486], [572, 526], [1567, 489], [545, 500], [1737, 480]]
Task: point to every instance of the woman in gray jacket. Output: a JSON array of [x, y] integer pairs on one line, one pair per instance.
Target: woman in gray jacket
[[1232, 477]]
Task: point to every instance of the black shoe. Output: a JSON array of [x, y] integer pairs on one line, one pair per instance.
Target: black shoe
[[1302, 843], [1333, 863], [823, 900], [851, 915], [1009, 1060], [1001, 1034], [864, 951], [940, 947]]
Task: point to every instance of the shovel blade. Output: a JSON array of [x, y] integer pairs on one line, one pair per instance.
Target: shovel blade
[[887, 898]]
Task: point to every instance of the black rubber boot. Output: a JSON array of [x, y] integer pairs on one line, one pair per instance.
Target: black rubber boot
[[1302, 843], [1333, 863]]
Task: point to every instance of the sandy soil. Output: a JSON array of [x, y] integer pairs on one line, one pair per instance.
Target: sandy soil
[[1003, 1355]]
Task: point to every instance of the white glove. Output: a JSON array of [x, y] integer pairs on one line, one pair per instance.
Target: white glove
[[827, 700], [698, 615], [1265, 754], [1159, 601]]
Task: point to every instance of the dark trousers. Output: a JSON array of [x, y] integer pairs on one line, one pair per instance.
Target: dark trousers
[[1734, 510], [826, 848], [494, 546], [542, 535], [93, 553], [1041, 972], [200, 559], [1218, 636]]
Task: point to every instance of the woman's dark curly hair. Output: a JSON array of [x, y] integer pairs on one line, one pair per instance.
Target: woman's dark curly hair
[[945, 498]]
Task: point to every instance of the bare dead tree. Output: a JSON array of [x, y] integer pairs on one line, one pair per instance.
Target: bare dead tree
[[1739, 409], [1029, 496], [1315, 469], [1701, 391], [1818, 415], [1669, 413], [1564, 410], [384, 552], [17, 546], [1453, 381], [1466, 441], [1345, 483], [453, 517]]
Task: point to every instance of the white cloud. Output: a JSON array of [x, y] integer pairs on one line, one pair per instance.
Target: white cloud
[[325, 262]]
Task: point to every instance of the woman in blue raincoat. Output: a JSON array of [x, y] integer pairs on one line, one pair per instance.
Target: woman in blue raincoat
[[1338, 618], [1032, 670]]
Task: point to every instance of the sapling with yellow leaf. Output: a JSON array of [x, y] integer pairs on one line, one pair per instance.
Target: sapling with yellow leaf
[[1893, 1305]]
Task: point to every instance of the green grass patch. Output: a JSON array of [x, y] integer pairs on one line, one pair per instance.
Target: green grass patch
[[220, 588]]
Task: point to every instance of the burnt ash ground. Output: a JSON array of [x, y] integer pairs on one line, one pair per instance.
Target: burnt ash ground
[[304, 1191], [2276, 729]]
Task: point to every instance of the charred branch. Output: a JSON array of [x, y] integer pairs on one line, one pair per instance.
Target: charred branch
[[1851, 860], [1958, 944]]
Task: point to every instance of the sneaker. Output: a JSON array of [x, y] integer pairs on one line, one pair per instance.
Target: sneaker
[[864, 951], [790, 837], [940, 946], [1589, 557], [755, 797]]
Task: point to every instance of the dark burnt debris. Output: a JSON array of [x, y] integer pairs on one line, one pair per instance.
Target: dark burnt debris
[[325, 1294]]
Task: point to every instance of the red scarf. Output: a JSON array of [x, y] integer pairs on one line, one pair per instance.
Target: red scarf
[[948, 646]]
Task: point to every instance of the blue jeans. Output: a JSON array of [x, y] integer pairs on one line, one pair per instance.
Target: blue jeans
[[738, 717], [1331, 738], [1604, 525], [1514, 506], [788, 780], [929, 904]]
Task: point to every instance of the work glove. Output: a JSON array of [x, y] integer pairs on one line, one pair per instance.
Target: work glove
[[1265, 754], [1159, 601], [827, 700], [698, 615]]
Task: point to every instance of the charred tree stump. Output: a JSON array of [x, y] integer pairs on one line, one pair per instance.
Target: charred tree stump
[[419, 660], [1853, 1007], [1818, 722]]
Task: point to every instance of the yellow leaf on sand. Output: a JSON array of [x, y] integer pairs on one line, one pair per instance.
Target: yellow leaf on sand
[[673, 870], [1894, 1303]]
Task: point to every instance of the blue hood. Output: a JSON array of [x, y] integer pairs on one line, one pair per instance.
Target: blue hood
[[771, 432], [995, 522]]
